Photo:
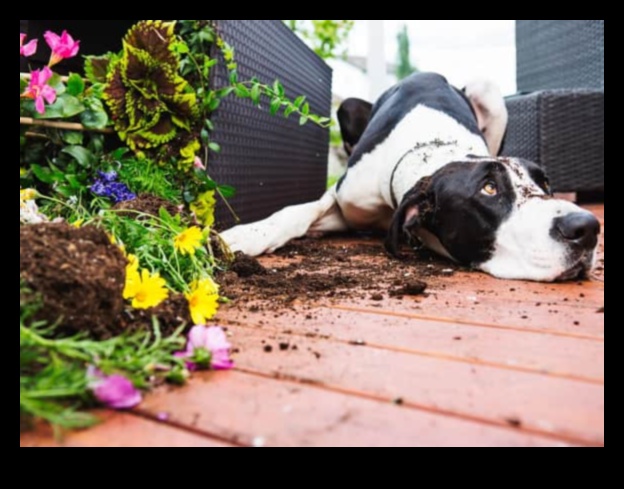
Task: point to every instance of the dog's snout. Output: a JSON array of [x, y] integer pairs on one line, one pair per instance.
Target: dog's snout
[[578, 228]]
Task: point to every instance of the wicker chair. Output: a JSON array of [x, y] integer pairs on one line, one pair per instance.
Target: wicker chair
[[561, 123]]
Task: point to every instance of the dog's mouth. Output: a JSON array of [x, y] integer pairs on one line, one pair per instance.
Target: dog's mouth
[[579, 271]]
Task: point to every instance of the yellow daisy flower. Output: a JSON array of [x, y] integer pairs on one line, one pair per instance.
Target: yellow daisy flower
[[189, 241], [149, 291], [203, 300]]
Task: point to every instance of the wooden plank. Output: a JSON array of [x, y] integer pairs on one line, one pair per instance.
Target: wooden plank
[[571, 410], [555, 321], [252, 410], [121, 430], [510, 349]]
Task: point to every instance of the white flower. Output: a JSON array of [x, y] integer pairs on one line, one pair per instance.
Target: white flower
[[29, 213]]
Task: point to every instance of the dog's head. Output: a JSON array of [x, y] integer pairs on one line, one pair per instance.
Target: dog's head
[[498, 215]]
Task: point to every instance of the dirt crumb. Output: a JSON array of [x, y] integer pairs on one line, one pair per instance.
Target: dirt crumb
[[412, 288], [245, 266]]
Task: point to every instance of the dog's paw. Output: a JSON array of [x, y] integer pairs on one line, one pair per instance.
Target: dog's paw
[[247, 239]]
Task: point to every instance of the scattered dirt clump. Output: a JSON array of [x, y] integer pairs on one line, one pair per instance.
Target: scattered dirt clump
[[314, 270], [245, 266], [411, 288]]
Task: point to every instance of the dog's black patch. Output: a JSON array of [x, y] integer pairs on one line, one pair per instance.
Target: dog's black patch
[[451, 205]]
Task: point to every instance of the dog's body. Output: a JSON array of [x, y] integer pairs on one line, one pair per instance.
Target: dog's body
[[412, 172]]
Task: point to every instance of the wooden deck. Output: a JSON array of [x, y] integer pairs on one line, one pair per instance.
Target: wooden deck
[[481, 362]]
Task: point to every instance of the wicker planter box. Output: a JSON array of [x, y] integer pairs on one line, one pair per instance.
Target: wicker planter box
[[563, 130], [272, 162], [554, 54]]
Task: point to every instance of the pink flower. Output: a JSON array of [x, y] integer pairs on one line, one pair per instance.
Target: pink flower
[[63, 46], [30, 47], [39, 90], [114, 391], [211, 340], [199, 164]]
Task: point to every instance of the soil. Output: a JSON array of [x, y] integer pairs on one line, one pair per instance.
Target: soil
[[315, 269], [79, 274], [147, 204]]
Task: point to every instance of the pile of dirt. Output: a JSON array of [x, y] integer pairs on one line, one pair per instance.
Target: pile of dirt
[[79, 274], [313, 270]]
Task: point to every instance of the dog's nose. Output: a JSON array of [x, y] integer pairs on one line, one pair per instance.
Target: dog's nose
[[578, 228]]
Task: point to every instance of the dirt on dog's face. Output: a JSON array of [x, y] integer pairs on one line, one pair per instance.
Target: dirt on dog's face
[[499, 216]]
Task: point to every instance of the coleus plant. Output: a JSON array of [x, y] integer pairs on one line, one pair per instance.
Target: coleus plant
[[159, 94], [150, 102]]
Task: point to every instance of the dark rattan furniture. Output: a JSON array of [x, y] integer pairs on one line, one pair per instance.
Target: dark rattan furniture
[[564, 131], [560, 125], [272, 161], [554, 54]]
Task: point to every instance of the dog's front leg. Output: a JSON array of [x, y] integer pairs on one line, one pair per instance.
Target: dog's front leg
[[291, 222]]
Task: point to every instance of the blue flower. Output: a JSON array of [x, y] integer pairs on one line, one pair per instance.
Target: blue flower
[[108, 186]]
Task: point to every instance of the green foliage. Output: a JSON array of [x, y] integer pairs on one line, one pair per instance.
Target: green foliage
[[404, 64], [53, 378], [143, 176], [63, 163], [327, 37], [151, 103], [151, 239]]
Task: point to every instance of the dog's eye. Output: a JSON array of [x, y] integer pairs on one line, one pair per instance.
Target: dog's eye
[[490, 189]]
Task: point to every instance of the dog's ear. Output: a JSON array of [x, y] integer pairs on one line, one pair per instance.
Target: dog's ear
[[408, 217], [353, 117]]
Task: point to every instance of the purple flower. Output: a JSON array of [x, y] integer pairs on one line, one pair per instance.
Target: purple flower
[[114, 391], [108, 186], [211, 340]]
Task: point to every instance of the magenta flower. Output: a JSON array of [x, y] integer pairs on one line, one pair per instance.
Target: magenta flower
[[30, 48], [203, 339], [63, 46], [114, 391], [39, 90]]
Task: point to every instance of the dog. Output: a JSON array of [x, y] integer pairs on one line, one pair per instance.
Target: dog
[[424, 166]]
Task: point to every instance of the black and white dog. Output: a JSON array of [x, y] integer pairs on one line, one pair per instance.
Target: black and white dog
[[412, 172]]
